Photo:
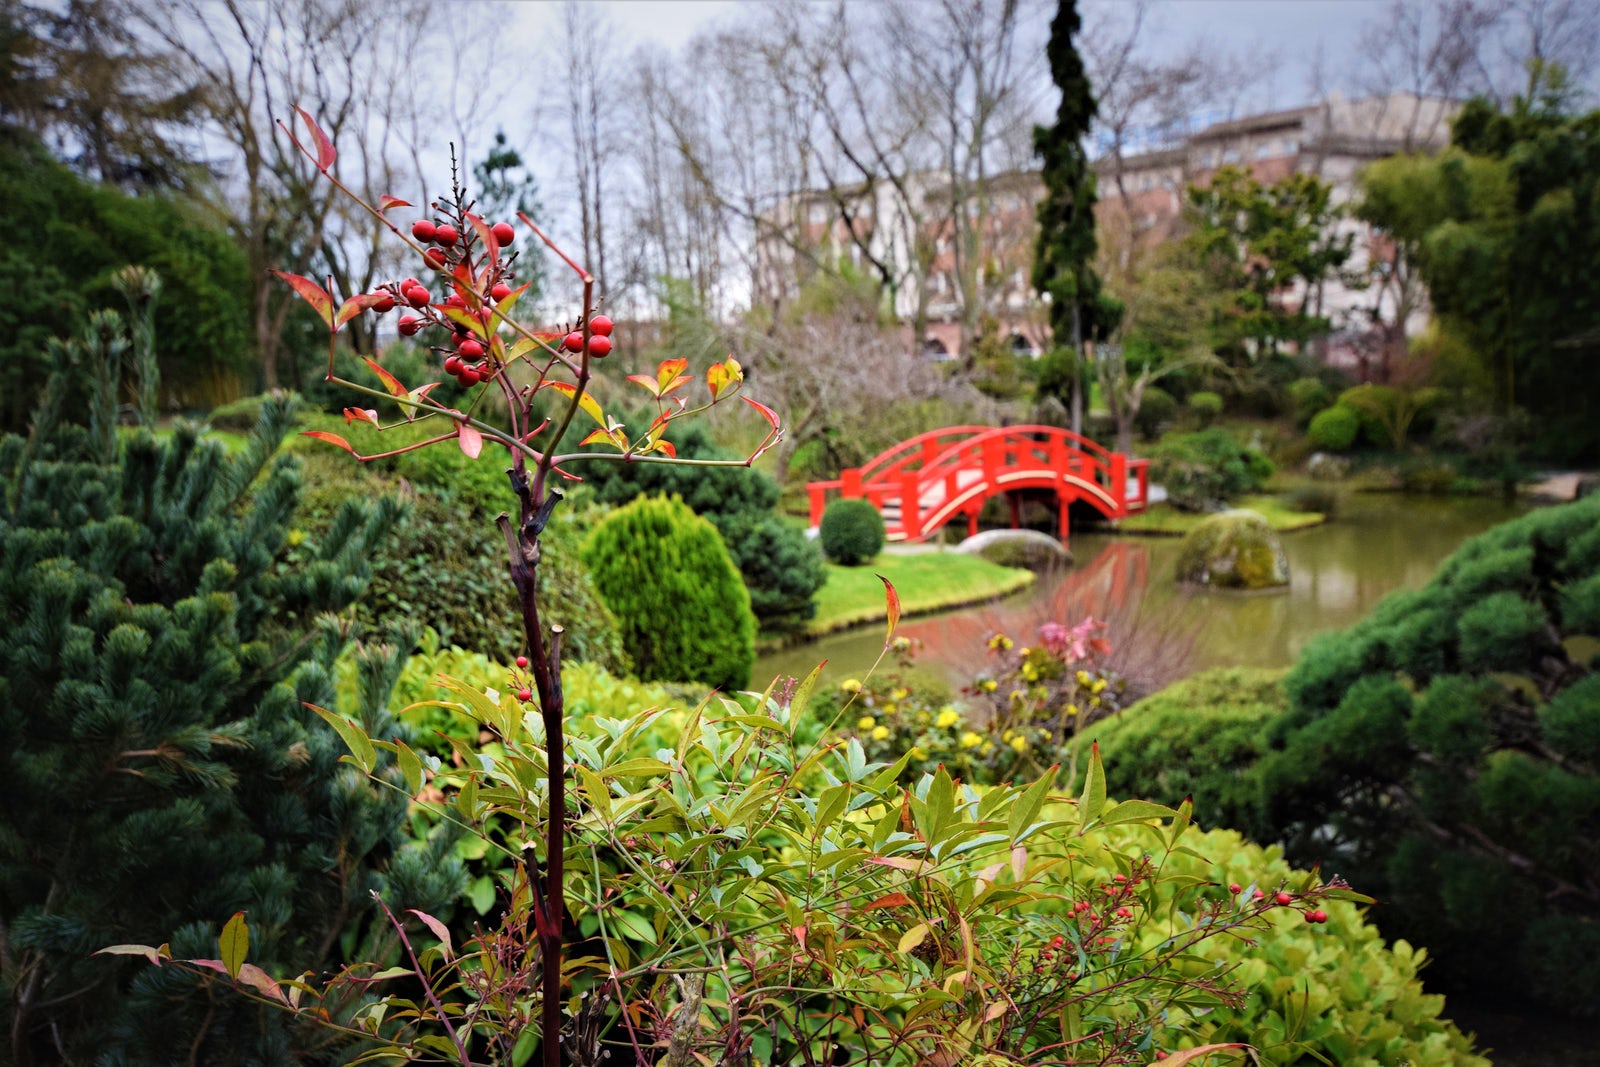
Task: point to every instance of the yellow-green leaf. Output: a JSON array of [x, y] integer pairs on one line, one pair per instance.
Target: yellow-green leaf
[[354, 737], [234, 943]]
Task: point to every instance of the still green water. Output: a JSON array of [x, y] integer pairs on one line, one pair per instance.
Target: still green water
[[1380, 542]]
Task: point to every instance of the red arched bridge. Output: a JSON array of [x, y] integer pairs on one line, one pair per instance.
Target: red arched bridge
[[921, 484]]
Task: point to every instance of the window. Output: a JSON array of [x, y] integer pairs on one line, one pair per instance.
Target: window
[[1231, 155], [1264, 149]]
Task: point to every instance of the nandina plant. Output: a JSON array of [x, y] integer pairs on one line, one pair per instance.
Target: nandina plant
[[468, 316]]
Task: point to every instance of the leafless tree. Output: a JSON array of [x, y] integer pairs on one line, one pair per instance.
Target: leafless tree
[[590, 118]]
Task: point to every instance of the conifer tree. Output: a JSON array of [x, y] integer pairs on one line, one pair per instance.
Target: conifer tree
[[161, 770], [1066, 242]]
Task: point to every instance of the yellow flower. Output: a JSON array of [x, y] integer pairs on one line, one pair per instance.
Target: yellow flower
[[971, 740], [902, 644], [947, 718], [1072, 709], [880, 733], [1000, 642], [866, 722], [296, 536], [1099, 686], [1082, 676], [1020, 743], [899, 693], [1094, 702], [988, 685], [851, 685], [1030, 672], [988, 747], [1008, 735]]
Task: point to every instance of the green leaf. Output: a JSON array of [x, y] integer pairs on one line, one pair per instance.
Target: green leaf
[[234, 944], [641, 767], [1027, 806], [354, 737], [410, 766], [802, 694], [1137, 811], [634, 925], [480, 892], [1093, 798], [831, 805]]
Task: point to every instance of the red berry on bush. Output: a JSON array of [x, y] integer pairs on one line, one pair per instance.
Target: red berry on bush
[[452, 365], [410, 324], [446, 235], [599, 347], [1284, 898], [455, 300], [524, 695], [435, 258], [467, 377], [486, 372], [423, 230], [522, 661], [1258, 894], [385, 303], [417, 296], [500, 291], [573, 342], [1234, 887], [1319, 916], [601, 325], [504, 233], [469, 349]]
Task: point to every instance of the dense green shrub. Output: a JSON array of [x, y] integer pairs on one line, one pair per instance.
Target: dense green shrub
[[1205, 407], [1156, 409], [1202, 471], [851, 532], [1335, 429], [781, 568], [1440, 753], [1196, 738], [683, 611], [1308, 396]]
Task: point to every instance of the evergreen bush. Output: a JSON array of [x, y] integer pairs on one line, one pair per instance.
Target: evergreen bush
[[684, 613], [781, 568], [851, 532], [1202, 471], [1206, 407], [1335, 429], [1156, 409], [161, 769], [1308, 396], [1441, 752]]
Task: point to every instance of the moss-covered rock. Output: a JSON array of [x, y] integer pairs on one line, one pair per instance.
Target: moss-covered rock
[[1234, 549], [1029, 549]]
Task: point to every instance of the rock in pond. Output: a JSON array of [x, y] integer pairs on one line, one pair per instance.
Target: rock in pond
[[1235, 549]]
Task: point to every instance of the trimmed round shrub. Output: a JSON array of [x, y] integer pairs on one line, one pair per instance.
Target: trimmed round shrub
[[1206, 407], [781, 568], [1156, 408], [1335, 429], [1307, 396], [681, 607], [1202, 471], [852, 532]]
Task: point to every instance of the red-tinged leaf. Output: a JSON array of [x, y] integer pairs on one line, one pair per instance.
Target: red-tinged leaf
[[466, 319], [505, 306], [893, 599], [766, 412], [471, 440], [668, 448], [647, 382], [416, 396], [721, 375], [364, 414], [899, 863], [261, 982], [520, 348], [332, 439], [157, 956], [438, 929], [314, 294], [609, 437], [888, 900], [1189, 1055], [356, 305], [677, 383], [486, 235], [325, 153], [234, 943], [670, 369], [385, 202], [588, 403], [390, 382]]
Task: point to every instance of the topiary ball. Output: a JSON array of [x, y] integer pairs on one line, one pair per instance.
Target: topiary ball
[[852, 532]]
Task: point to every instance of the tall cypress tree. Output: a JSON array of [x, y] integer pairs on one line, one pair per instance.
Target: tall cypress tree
[[160, 770], [1066, 243]]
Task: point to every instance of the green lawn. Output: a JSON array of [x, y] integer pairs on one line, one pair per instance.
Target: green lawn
[[928, 581], [1163, 519]]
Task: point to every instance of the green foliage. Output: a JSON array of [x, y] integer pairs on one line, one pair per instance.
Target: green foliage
[[1202, 471], [1205, 407], [1156, 408], [781, 568], [1387, 411], [1441, 751], [1196, 738], [162, 768], [1335, 429], [86, 234], [851, 532], [683, 612], [1235, 549], [1308, 396]]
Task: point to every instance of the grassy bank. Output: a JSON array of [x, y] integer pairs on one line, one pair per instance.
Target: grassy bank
[[1163, 520], [926, 581]]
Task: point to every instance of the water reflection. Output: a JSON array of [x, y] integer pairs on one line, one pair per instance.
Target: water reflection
[[1337, 573]]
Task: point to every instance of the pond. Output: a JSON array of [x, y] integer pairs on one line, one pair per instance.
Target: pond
[[1380, 542]]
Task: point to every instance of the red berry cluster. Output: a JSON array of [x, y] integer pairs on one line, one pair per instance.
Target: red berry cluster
[[524, 694], [599, 337], [1280, 899]]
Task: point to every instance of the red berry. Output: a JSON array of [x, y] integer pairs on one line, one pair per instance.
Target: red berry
[[435, 258], [485, 315], [504, 233], [455, 300], [500, 291], [410, 324], [423, 230], [408, 283], [1319, 916], [599, 346], [385, 303], [1119, 878], [522, 661], [467, 377], [601, 325], [446, 235], [486, 371], [452, 365], [1123, 913], [1258, 894], [1234, 887], [573, 342], [524, 695], [469, 349], [1284, 899], [417, 296]]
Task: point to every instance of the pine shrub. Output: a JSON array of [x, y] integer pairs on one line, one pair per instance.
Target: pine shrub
[[781, 568], [852, 532], [1206, 407], [683, 611], [1335, 429], [1203, 471]]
